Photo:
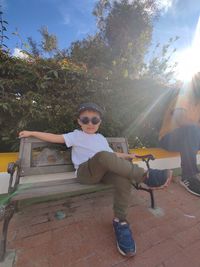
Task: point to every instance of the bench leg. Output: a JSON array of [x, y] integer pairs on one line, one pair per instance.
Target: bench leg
[[6, 213], [150, 191], [152, 199]]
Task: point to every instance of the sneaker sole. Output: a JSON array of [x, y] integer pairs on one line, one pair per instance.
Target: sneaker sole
[[188, 189], [168, 181], [128, 255]]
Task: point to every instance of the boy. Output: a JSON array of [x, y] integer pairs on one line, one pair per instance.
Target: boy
[[95, 161]]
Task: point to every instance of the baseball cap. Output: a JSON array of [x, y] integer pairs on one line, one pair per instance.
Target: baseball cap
[[90, 106]]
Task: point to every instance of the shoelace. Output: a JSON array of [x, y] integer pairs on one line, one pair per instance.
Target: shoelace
[[126, 231], [186, 182]]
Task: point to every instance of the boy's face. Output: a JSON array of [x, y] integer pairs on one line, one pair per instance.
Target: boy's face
[[89, 121]]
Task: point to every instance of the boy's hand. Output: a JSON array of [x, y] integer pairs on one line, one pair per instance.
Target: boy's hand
[[125, 155], [132, 156], [25, 134]]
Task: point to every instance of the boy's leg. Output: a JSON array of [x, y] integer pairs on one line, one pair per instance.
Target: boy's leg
[[122, 192], [95, 168], [108, 167]]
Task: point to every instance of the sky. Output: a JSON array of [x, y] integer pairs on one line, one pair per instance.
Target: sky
[[72, 20]]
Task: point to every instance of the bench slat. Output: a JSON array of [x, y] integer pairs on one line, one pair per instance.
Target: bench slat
[[47, 178], [67, 188], [48, 183]]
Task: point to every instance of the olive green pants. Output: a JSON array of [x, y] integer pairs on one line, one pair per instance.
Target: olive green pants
[[108, 168]]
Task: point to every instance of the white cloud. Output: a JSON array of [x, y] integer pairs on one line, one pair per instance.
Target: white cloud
[[65, 15], [76, 12], [163, 5], [184, 9], [19, 53]]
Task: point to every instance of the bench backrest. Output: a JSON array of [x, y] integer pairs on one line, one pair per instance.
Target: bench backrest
[[39, 157]]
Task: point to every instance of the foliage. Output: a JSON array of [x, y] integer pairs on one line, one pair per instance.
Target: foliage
[[126, 28], [93, 51], [120, 45], [47, 47], [3, 29], [137, 108], [35, 51], [40, 94], [159, 66], [49, 41]]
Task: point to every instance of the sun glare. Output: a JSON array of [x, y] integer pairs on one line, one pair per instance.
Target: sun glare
[[189, 59], [188, 64]]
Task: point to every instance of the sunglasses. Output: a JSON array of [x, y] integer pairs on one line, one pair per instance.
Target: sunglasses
[[93, 120]]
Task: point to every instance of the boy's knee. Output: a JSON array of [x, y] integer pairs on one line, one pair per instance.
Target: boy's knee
[[103, 156]]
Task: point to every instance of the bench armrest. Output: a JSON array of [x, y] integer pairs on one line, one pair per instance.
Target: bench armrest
[[146, 157], [11, 169]]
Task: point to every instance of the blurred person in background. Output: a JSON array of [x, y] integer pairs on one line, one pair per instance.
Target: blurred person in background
[[180, 131]]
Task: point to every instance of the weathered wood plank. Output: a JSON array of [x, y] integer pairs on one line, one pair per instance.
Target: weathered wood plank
[[67, 189], [46, 178]]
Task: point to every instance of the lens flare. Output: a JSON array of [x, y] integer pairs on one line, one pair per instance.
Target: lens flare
[[189, 59]]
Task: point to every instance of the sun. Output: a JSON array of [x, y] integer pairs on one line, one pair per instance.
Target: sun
[[188, 63], [188, 60]]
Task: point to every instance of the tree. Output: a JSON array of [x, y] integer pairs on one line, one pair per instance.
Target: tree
[[35, 51], [159, 65], [93, 51], [126, 27], [49, 41]]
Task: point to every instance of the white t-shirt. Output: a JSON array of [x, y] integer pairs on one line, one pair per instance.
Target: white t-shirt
[[85, 146]]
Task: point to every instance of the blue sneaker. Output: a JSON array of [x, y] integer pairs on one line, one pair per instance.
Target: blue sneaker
[[158, 179], [125, 243]]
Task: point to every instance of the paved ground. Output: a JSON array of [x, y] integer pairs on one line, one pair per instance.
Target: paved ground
[[169, 237]]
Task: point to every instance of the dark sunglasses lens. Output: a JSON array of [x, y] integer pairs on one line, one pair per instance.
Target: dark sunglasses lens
[[95, 120], [85, 120]]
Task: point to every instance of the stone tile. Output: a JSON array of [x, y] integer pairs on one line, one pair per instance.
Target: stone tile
[[85, 237]]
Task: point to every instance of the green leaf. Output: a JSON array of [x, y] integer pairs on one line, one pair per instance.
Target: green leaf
[[55, 73], [125, 73], [5, 138]]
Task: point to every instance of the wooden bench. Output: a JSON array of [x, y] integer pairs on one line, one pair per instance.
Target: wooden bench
[[45, 170]]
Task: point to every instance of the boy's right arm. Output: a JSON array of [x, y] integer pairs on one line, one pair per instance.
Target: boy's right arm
[[49, 137]]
